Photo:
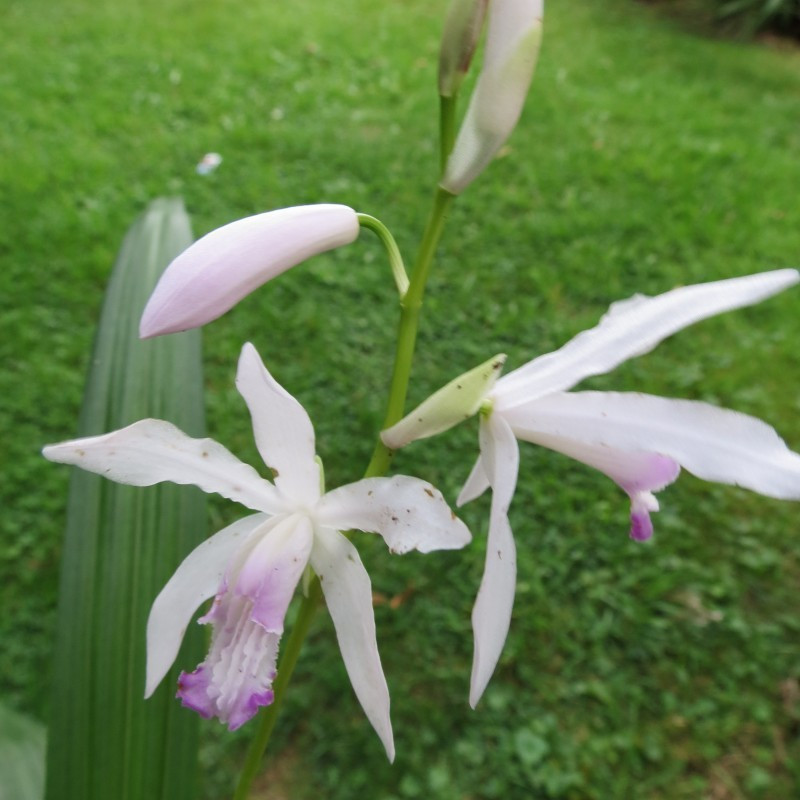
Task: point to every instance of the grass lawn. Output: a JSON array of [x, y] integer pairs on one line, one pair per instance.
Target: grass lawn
[[647, 157]]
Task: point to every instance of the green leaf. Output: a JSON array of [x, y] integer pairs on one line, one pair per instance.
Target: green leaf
[[120, 547], [22, 742]]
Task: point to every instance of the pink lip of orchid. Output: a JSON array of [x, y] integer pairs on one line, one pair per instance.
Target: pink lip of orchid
[[638, 440], [252, 567], [512, 48], [224, 266]]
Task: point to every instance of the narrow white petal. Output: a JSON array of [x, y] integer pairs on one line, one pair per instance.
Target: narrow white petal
[[197, 578], [283, 431], [348, 594], [491, 616], [458, 400], [151, 451], [217, 271], [476, 484], [713, 443], [409, 513], [633, 327]]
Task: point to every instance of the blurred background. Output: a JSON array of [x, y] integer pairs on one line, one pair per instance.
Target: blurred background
[[660, 145]]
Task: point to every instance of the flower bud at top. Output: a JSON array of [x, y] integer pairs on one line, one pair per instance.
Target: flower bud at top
[[217, 271], [512, 49], [462, 29]]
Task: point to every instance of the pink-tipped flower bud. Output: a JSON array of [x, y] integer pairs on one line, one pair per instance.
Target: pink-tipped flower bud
[[512, 49], [462, 29], [217, 271]]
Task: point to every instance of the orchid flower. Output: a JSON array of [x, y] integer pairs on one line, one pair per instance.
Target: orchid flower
[[253, 566], [638, 440], [222, 267], [512, 49]]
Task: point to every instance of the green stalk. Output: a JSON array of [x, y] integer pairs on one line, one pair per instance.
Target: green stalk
[[392, 250], [410, 304], [447, 129], [409, 324]]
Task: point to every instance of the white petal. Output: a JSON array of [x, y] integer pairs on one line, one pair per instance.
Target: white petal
[[348, 594], [491, 616], [458, 400], [713, 443], [197, 578], [409, 513], [151, 451], [512, 49], [283, 431], [633, 327], [476, 484], [217, 271], [272, 570]]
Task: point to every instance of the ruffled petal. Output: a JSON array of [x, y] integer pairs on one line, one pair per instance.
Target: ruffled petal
[[283, 431], [458, 400], [151, 451], [712, 443], [409, 513], [217, 271], [631, 328], [491, 615], [348, 594], [198, 577], [235, 679]]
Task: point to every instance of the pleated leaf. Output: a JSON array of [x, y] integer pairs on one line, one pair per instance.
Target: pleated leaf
[[22, 742], [121, 545]]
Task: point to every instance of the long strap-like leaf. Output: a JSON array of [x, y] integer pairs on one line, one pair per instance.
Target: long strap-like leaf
[[105, 741]]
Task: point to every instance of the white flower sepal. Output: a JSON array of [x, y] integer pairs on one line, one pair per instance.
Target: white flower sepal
[[253, 566], [638, 440]]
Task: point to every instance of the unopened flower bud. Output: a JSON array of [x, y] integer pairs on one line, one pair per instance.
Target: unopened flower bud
[[217, 271], [512, 49]]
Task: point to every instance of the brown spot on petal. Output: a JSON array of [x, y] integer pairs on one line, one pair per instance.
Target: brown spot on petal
[[429, 493]]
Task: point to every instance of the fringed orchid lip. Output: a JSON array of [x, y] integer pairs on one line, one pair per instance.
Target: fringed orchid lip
[[253, 566]]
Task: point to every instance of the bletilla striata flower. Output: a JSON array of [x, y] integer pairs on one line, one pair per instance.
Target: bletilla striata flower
[[512, 49], [253, 566], [638, 440], [222, 267]]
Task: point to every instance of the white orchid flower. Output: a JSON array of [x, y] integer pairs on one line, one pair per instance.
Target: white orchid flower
[[638, 440], [512, 48], [254, 565], [222, 267]]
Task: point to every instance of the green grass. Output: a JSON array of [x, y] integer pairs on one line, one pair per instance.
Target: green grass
[[646, 157]]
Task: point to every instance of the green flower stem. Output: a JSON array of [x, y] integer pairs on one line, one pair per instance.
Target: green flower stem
[[291, 652], [395, 259], [409, 324], [411, 303], [447, 129]]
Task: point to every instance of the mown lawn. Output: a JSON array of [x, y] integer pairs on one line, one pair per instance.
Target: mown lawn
[[647, 157]]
